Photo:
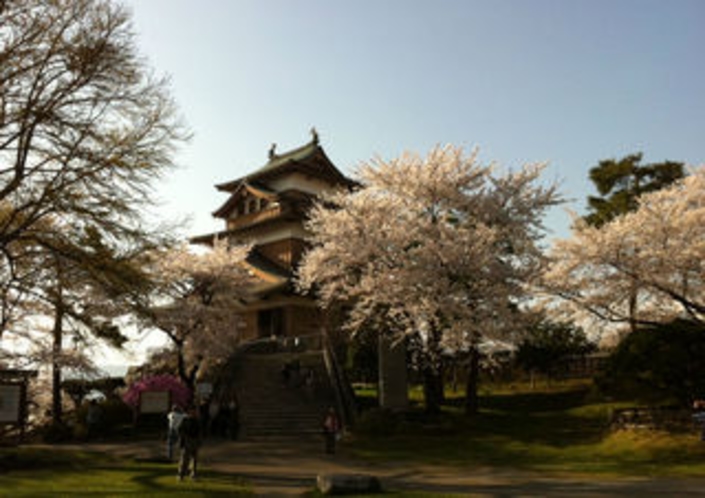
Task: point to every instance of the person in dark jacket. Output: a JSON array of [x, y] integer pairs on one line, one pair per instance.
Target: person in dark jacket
[[189, 443], [331, 430]]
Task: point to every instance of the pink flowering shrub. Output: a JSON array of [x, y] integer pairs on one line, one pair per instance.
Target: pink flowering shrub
[[180, 394]]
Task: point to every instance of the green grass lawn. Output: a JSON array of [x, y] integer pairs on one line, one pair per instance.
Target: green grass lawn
[[37, 473], [561, 429]]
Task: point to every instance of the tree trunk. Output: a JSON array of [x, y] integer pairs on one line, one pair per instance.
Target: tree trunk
[[393, 389], [56, 405], [433, 395], [184, 375], [471, 399], [633, 295], [433, 374]]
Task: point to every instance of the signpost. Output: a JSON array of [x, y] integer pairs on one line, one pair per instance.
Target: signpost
[[155, 402], [11, 396], [13, 401]]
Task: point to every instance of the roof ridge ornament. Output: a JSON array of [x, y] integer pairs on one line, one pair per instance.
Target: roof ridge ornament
[[314, 135], [273, 151]]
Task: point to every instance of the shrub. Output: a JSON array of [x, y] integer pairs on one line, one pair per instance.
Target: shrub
[[661, 363], [56, 433], [180, 394], [114, 413]]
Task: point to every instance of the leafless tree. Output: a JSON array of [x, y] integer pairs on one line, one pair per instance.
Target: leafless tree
[[85, 131]]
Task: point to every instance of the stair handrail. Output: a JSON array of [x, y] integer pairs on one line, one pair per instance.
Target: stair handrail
[[344, 397]]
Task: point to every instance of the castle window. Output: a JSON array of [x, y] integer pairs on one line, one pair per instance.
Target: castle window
[[270, 322]]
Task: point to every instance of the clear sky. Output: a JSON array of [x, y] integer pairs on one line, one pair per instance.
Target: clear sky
[[567, 82]]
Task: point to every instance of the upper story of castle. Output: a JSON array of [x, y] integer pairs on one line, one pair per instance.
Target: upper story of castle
[[282, 188], [267, 208]]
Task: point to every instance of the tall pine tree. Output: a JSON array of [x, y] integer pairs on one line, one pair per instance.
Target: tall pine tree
[[620, 182]]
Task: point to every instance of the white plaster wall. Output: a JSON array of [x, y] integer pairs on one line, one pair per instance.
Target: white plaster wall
[[297, 181]]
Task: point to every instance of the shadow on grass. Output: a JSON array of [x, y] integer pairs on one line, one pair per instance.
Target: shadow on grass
[[66, 472], [550, 419], [510, 430], [562, 431], [27, 458], [155, 479], [535, 402]]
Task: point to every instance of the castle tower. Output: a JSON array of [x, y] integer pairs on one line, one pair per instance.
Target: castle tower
[[267, 208]]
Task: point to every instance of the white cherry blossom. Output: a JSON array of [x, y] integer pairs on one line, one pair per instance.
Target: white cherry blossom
[[657, 251], [434, 246]]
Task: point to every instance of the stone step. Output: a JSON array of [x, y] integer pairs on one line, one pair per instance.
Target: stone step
[[271, 406], [278, 430], [282, 425]]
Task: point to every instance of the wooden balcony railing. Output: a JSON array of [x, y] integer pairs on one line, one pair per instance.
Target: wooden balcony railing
[[245, 220]]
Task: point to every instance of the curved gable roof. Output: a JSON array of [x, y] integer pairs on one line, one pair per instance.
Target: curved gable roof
[[242, 189], [309, 159]]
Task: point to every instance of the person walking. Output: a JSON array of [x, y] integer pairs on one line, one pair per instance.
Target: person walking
[[189, 443], [699, 416], [174, 419], [331, 430], [233, 429], [94, 418]]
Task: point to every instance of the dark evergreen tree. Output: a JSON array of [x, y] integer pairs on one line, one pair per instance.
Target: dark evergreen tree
[[659, 363], [547, 343], [620, 182]]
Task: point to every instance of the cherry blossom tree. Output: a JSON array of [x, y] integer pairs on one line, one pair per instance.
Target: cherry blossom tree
[[433, 248], [658, 249], [195, 303]]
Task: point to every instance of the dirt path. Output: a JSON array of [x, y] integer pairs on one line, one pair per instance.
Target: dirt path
[[289, 467]]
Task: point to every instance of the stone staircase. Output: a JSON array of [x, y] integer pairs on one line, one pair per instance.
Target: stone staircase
[[271, 405]]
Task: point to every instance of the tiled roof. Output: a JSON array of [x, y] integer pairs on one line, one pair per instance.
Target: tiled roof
[[310, 156]]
